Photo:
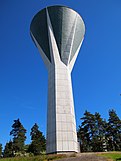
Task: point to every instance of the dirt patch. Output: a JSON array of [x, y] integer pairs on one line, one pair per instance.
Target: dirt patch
[[85, 157]]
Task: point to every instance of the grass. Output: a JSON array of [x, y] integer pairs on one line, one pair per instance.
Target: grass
[[36, 158], [111, 156], [114, 156]]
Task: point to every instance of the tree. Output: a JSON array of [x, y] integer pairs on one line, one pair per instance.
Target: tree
[[18, 132], [91, 133], [83, 137], [8, 151], [38, 140], [114, 131], [86, 131], [0, 150], [98, 141]]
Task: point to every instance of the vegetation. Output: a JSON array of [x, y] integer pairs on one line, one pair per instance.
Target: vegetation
[[8, 151], [94, 133], [16, 147], [0, 150], [115, 156], [97, 135], [38, 141], [18, 132], [35, 158]]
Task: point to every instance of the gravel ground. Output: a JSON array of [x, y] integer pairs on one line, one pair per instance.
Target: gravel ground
[[85, 157]]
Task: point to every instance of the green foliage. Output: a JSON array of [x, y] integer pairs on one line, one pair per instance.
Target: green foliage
[[0, 150], [38, 141], [95, 134], [91, 133], [115, 156], [36, 158], [85, 131], [98, 138], [114, 131], [8, 151], [18, 132]]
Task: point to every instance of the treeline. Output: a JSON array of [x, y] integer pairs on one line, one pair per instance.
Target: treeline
[[17, 147], [95, 134]]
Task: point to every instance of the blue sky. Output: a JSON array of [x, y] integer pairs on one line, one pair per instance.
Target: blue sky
[[96, 75]]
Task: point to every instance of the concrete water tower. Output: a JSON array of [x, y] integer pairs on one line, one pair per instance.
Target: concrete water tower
[[58, 32]]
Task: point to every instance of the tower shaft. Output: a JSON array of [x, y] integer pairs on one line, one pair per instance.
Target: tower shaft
[[61, 126]]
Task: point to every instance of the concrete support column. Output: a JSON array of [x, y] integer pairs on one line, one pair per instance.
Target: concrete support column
[[61, 126]]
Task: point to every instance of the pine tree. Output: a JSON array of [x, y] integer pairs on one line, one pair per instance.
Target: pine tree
[[84, 139], [98, 141], [114, 131], [0, 150], [18, 132], [91, 133], [86, 131], [8, 151], [38, 140]]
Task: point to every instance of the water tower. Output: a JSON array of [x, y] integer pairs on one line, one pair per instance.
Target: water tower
[[58, 32]]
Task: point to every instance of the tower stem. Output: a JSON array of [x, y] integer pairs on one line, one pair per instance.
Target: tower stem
[[61, 126]]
